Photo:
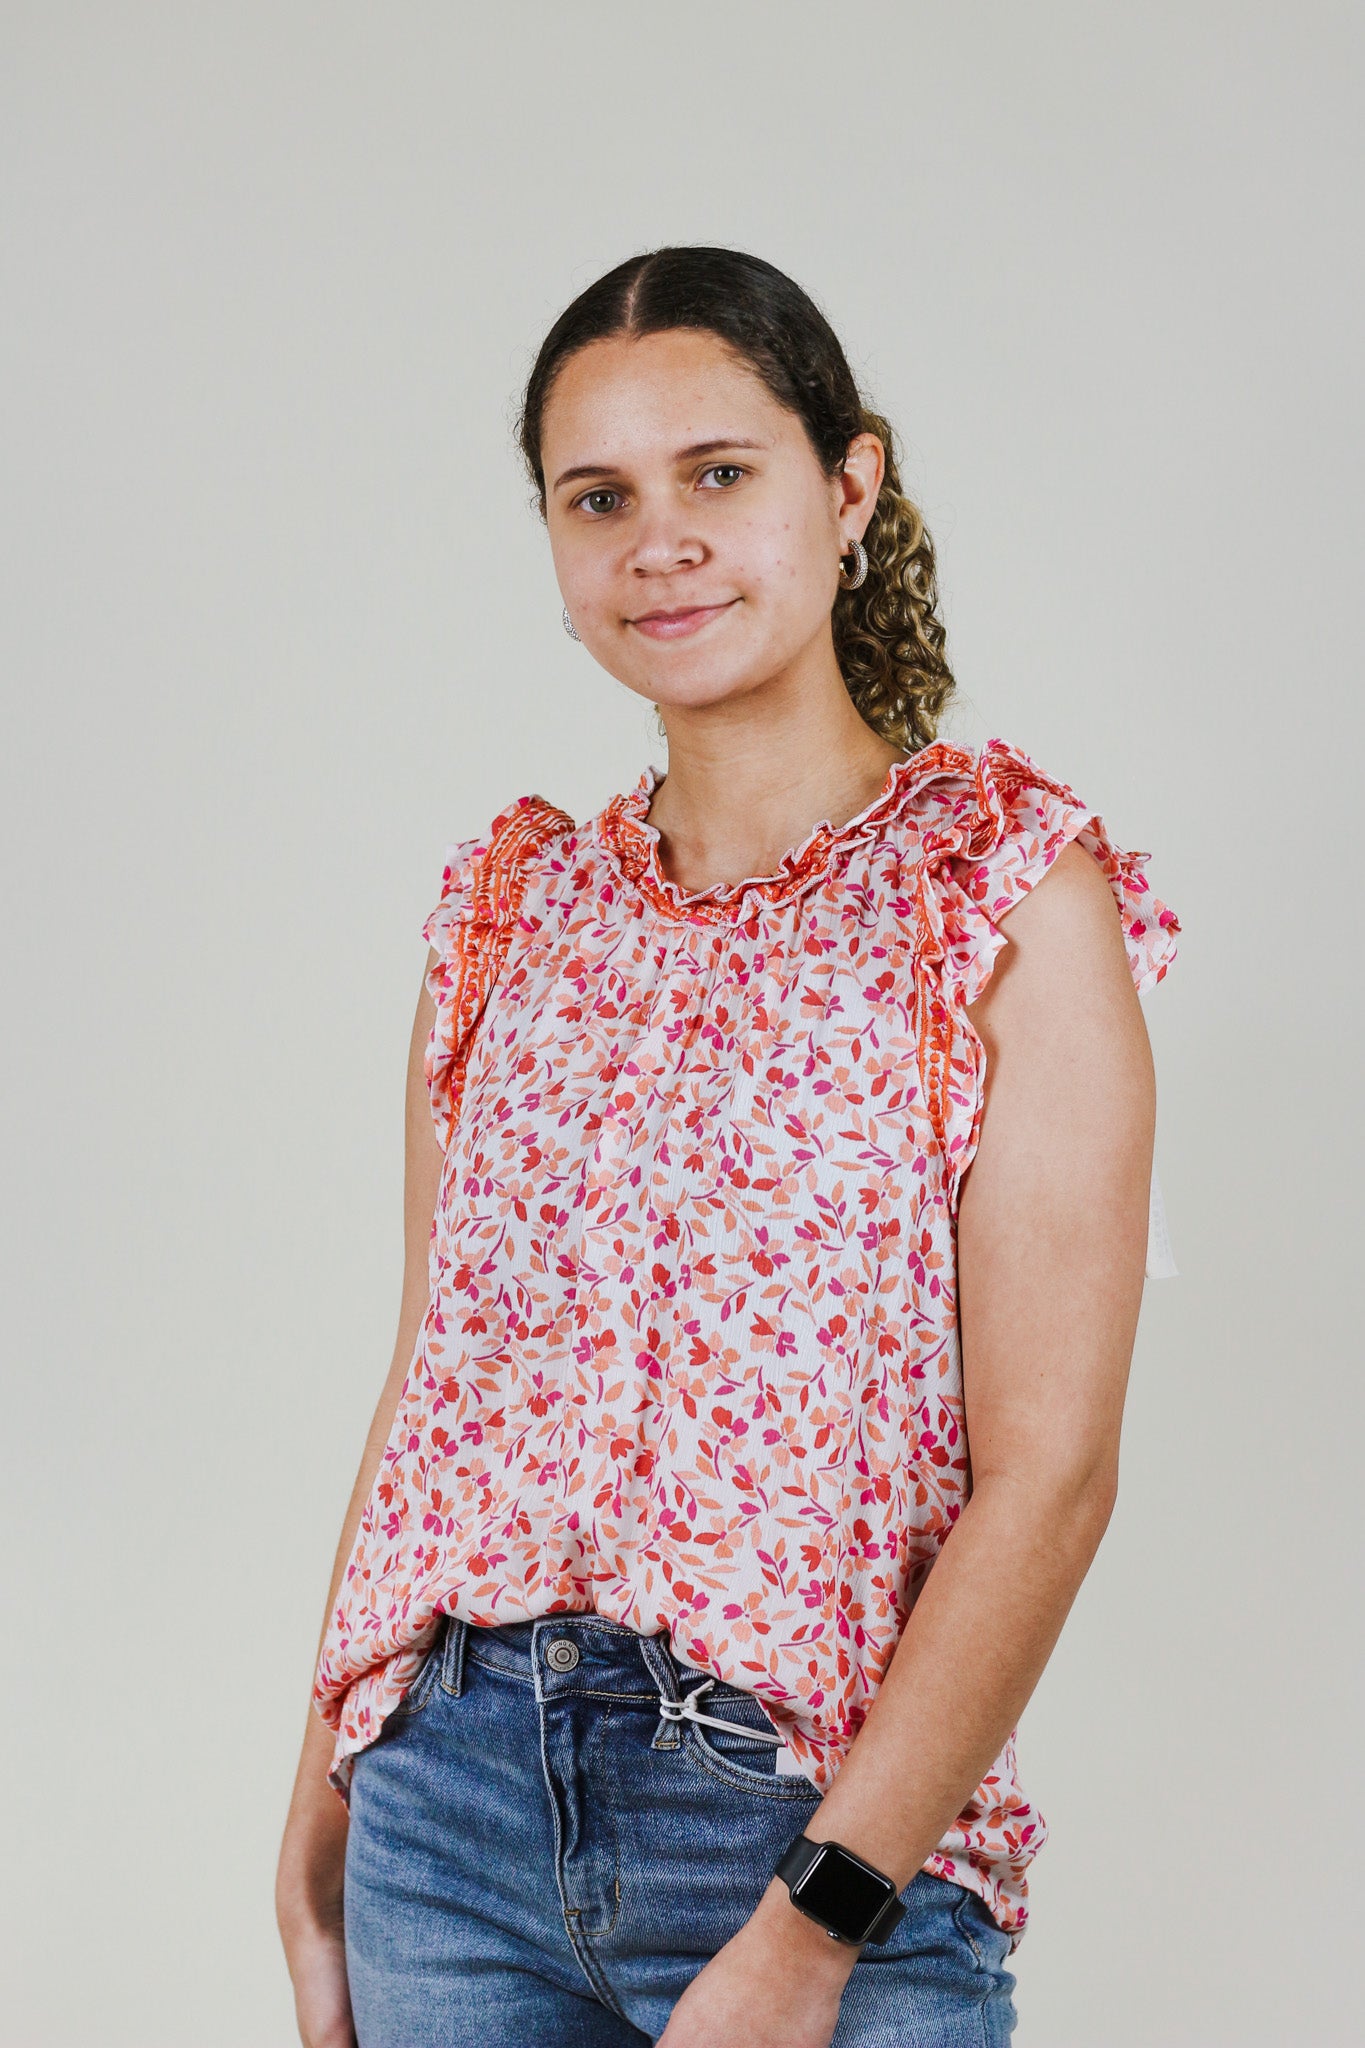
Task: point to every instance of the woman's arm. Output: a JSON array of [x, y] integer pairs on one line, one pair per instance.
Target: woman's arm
[[308, 1881], [1052, 1231]]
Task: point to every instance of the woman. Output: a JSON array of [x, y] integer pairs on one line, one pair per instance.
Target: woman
[[772, 1137]]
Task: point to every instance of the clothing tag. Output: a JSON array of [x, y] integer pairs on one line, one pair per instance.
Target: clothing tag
[[786, 1766], [1161, 1263]]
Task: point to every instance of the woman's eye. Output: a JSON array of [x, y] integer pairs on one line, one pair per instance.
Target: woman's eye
[[598, 503], [589, 499]]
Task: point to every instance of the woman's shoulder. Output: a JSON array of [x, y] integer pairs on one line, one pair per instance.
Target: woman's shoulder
[[484, 876], [987, 796], [993, 823], [485, 885]]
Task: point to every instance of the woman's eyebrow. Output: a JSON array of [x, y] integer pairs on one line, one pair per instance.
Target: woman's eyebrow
[[585, 469]]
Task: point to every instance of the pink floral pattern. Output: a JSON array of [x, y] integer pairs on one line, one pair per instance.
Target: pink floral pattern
[[690, 1356]]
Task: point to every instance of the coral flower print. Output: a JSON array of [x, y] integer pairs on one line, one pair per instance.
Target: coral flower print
[[691, 1355]]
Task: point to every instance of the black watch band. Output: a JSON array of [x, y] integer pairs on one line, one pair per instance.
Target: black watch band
[[852, 1900]]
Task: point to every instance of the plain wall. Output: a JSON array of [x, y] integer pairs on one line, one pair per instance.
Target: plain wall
[[279, 621]]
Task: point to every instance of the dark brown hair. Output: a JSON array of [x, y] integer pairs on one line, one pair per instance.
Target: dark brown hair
[[888, 638]]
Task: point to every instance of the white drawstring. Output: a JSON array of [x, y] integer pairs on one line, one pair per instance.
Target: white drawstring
[[685, 1710]]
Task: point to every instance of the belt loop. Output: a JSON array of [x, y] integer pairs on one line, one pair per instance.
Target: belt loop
[[656, 1651], [452, 1659]]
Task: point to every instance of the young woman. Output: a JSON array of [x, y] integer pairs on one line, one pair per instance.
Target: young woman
[[779, 1152]]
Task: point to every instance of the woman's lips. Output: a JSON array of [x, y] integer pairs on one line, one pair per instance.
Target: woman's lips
[[677, 625]]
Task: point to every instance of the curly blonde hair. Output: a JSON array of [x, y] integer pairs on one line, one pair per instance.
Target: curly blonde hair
[[888, 637]]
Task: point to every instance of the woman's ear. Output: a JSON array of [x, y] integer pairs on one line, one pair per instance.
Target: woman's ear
[[860, 480]]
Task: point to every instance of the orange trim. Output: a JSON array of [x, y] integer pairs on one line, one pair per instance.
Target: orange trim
[[479, 942]]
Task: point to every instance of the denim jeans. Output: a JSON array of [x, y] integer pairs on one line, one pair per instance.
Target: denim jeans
[[541, 1856]]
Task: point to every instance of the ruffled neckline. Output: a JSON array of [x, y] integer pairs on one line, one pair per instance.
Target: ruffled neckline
[[632, 843]]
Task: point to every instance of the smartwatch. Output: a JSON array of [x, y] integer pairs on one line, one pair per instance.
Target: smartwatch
[[850, 1899]]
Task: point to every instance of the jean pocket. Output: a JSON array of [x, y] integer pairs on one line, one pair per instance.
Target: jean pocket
[[982, 1932], [422, 1687], [733, 1752]]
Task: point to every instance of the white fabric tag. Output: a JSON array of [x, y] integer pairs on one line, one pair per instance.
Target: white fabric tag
[[785, 1764], [1161, 1263]]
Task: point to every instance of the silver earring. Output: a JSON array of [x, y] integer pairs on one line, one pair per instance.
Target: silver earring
[[569, 626], [859, 567]]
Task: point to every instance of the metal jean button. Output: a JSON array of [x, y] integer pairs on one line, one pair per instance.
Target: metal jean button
[[561, 1654]]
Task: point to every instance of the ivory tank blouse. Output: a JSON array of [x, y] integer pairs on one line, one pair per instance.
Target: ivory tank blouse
[[690, 1356]]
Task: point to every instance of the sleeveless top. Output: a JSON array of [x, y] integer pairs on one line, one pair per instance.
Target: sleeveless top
[[690, 1356]]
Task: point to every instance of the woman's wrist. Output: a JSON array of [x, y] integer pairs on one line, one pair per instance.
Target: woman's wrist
[[800, 1942], [307, 1910], [310, 1881]]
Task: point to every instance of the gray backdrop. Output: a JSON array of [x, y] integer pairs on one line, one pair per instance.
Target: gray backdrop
[[278, 622]]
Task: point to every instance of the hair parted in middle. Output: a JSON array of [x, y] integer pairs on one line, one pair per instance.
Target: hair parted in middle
[[888, 637]]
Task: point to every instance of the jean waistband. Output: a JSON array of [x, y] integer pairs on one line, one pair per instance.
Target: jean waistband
[[560, 1644], [586, 1654]]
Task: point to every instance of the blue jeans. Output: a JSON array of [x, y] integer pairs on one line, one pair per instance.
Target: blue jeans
[[540, 1857]]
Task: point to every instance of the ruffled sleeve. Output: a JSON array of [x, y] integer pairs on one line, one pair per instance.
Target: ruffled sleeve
[[1011, 827], [995, 826], [483, 884]]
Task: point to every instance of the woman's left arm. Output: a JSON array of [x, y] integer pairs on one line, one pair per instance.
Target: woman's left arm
[[1051, 1242]]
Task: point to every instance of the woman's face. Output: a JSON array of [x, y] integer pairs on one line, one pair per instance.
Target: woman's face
[[695, 539]]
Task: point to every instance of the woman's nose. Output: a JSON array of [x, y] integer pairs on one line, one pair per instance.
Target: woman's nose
[[662, 538]]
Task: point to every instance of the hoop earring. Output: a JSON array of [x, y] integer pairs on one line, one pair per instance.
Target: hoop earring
[[859, 567], [569, 626]]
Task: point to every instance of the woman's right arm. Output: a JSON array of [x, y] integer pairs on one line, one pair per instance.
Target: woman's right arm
[[308, 1879]]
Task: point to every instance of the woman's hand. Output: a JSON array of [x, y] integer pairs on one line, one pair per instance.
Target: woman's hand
[[310, 1883], [775, 1984], [322, 2001]]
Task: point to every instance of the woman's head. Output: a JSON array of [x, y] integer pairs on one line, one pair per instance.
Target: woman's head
[[644, 391]]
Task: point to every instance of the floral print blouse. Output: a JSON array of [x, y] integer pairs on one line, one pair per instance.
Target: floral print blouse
[[690, 1356]]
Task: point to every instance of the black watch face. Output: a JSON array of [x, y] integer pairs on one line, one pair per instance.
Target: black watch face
[[840, 1890]]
